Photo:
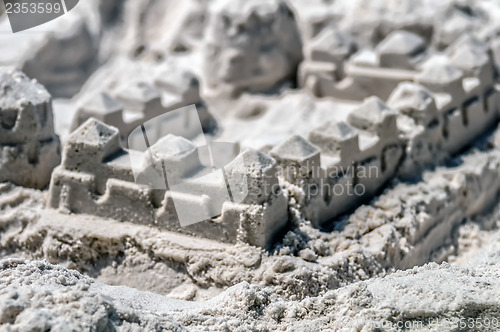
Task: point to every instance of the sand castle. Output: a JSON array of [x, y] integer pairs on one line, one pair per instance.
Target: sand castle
[[344, 162], [338, 166], [96, 177], [29, 147], [442, 108], [449, 101], [415, 107], [401, 56]]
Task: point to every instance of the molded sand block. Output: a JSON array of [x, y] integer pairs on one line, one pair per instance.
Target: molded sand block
[[336, 139], [414, 101], [298, 157], [399, 49], [258, 225], [29, 148], [439, 75], [252, 177], [72, 191], [126, 201], [141, 98], [89, 145], [375, 117]]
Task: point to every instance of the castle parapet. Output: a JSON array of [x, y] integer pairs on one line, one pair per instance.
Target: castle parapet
[[97, 177], [342, 164]]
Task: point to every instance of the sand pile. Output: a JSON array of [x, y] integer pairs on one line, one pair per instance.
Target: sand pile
[[36, 295]]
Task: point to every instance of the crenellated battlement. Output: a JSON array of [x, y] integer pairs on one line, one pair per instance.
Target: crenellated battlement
[[96, 177], [449, 103]]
